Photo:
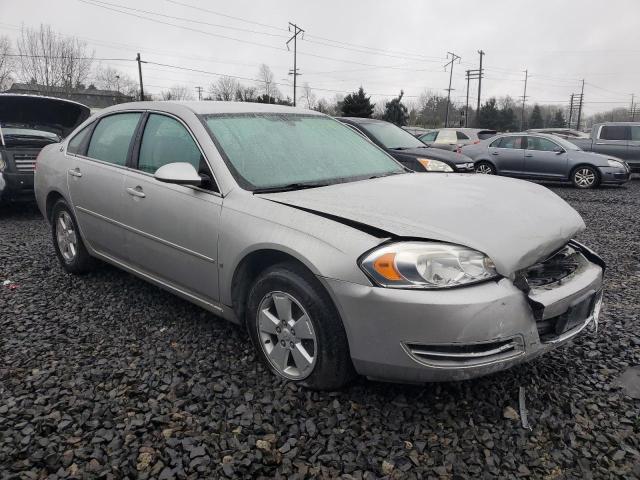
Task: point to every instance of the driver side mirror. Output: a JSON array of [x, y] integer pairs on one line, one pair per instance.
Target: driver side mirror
[[181, 173], [558, 150]]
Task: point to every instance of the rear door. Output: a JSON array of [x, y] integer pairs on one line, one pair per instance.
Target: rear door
[[507, 154], [97, 158], [613, 140], [633, 154], [543, 158], [173, 234]]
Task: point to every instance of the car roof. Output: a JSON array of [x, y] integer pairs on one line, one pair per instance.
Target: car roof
[[360, 120], [210, 107], [548, 136]]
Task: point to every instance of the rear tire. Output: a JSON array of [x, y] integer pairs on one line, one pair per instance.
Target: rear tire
[[585, 177], [485, 168], [296, 329], [67, 242]]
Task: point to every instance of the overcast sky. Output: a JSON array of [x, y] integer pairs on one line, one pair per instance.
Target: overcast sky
[[384, 46]]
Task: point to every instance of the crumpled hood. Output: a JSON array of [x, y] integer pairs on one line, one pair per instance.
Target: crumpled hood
[[515, 223], [58, 115], [436, 154]]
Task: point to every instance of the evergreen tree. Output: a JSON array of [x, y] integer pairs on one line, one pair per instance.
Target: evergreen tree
[[357, 104], [489, 115], [558, 120], [535, 120], [508, 120], [395, 111]]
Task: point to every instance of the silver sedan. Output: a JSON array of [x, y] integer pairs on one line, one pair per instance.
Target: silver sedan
[[335, 258]]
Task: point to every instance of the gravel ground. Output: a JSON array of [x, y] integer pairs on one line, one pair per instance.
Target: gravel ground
[[105, 376]]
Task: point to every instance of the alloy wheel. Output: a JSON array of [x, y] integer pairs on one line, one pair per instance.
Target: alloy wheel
[[286, 335], [484, 169], [585, 177], [66, 236]]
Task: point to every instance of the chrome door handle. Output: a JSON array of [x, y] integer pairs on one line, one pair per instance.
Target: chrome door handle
[[529, 155], [136, 192], [494, 153], [75, 172]]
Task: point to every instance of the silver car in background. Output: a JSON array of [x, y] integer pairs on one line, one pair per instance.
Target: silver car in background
[[335, 258], [455, 138], [539, 156]]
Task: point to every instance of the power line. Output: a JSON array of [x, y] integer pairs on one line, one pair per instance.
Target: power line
[[296, 31], [450, 64], [524, 99]]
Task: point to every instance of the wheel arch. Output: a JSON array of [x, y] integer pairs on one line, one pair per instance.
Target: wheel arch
[[52, 197], [586, 164], [486, 160]]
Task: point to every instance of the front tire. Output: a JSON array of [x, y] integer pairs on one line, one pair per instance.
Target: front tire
[[485, 168], [585, 177], [67, 242], [296, 329]]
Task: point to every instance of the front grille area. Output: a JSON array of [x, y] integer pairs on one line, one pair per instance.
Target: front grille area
[[25, 162], [554, 269], [465, 355]]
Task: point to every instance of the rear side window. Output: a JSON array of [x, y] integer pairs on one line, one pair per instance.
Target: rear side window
[[635, 133], [112, 137], [429, 137], [461, 136], [165, 140], [615, 132], [78, 144]]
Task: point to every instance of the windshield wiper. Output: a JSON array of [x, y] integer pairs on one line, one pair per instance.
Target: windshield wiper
[[400, 148], [290, 187], [388, 174]]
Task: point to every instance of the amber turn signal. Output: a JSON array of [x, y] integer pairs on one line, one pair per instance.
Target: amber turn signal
[[385, 266]]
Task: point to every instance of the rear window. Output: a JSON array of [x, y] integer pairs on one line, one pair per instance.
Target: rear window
[[615, 132], [486, 134], [461, 136]]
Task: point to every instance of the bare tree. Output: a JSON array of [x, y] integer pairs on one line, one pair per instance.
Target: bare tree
[[109, 78], [225, 88], [246, 94], [266, 82], [308, 96], [7, 63], [52, 60], [177, 92]]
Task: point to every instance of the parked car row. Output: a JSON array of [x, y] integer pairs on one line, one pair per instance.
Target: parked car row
[[336, 257], [455, 138]]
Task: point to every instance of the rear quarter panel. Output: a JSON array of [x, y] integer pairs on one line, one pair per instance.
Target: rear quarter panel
[[50, 174]]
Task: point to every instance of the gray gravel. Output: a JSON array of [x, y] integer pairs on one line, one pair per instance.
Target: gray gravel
[[105, 376]]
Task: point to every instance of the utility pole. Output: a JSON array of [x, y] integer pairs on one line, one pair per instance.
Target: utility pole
[[471, 75], [199, 90], [296, 30], [580, 106], [140, 62], [570, 111], [633, 108], [481, 52], [454, 57], [524, 99]]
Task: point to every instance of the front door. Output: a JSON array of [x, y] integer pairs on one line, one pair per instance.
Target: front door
[[173, 229], [613, 140], [544, 158], [96, 180]]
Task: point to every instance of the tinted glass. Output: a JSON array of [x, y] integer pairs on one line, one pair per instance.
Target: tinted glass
[[111, 138], [461, 136], [486, 134], [541, 144], [165, 140], [429, 137], [78, 144], [510, 142], [391, 136], [635, 133], [270, 150], [614, 132]]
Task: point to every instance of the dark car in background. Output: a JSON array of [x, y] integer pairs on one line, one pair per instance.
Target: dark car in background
[[406, 148], [27, 124], [546, 157], [621, 139], [455, 138]]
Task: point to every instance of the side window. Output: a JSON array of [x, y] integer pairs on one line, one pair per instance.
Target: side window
[[78, 144], [541, 144], [429, 137], [511, 142], [447, 136], [615, 132], [635, 133], [166, 140], [461, 136], [495, 143], [112, 137]]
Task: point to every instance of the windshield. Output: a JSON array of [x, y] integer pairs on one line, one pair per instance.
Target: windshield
[[392, 137], [566, 144], [274, 149]]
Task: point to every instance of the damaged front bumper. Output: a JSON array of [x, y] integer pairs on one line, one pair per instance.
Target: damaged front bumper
[[461, 333]]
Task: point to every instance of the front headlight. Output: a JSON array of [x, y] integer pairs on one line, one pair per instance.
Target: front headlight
[[434, 165], [614, 163], [426, 265]]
